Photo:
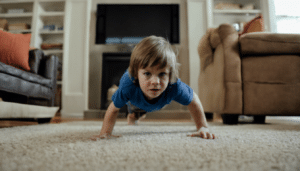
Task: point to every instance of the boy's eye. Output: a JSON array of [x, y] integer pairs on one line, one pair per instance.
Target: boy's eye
[[162, 74], [147, 74]]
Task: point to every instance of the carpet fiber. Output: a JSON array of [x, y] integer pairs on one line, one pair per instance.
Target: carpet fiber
[[152, 146]]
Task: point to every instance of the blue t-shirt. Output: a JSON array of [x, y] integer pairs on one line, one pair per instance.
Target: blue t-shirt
[[128, 91]]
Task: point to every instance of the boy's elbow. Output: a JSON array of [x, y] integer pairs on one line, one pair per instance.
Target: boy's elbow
[[195, 100], [113, 108]]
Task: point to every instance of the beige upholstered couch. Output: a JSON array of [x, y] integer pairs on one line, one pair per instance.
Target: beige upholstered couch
[[253, 74]]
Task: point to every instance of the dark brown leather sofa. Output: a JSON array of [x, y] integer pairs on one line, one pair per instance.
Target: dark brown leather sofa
[[37, 87]]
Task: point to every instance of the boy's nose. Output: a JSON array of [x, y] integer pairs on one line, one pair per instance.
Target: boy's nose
[[155, 80]]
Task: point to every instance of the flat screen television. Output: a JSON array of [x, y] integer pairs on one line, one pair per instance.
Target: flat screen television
[[129, 23]]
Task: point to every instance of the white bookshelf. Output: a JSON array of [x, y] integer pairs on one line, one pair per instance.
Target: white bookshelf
[[37, 14], [51, 13], [216, 17], [14, 18]]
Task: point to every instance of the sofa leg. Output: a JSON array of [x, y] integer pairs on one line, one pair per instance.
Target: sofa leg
[[230, 119], [43, 120], [260, 119], [209, 116]]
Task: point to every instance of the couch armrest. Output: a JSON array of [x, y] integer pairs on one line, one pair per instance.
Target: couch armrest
[[220, 84], [35, 57], [48, 68], [232, 61], [262, 43], [51, 65]]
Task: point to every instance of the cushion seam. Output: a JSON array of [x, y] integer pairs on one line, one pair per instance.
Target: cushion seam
[[270, 40]]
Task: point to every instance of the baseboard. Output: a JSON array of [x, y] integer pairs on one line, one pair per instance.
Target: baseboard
[[163, 114]]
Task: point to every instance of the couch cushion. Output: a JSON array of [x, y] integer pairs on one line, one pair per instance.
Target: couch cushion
[[24, 75], [271, 99], [14, 49], [261, 43], [280, 69], [22, 87]]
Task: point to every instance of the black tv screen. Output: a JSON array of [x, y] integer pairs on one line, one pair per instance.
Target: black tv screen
[[129, 23]]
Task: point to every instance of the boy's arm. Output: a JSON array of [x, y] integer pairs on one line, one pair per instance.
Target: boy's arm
[[108, 123], [197, 112]]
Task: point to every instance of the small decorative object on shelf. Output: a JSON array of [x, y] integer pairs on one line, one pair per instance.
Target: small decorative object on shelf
[[248, 7], [52, 27], [49, 27], [18, 26], [60, 28], [46, 46], [14, 11], [3, 24], [225, 5], [233, 6], [236, 26]]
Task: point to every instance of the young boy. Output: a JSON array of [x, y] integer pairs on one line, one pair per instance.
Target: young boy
[[150, 83]]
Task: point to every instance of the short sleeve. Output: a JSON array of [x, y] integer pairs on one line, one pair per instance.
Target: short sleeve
[[184, 93], [119, 98]]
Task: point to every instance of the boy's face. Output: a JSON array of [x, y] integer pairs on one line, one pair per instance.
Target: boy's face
[[153, 81]]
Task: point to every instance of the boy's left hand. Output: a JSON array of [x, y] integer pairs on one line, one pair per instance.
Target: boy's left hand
[[203, 133]]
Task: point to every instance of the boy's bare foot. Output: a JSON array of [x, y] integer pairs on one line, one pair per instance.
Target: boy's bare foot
[[131, 119]]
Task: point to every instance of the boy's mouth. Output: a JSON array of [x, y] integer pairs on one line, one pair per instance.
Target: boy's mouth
[[154, 90]]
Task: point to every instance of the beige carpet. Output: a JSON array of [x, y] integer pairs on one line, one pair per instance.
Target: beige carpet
[[152, 146]]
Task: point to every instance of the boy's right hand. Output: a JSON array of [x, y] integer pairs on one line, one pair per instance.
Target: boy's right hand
[[104, 136]]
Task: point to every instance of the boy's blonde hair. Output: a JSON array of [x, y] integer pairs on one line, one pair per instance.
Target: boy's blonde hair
[[152, 51]]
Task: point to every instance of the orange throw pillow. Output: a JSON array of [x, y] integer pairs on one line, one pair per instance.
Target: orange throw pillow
[[14, 49], [255, 25]]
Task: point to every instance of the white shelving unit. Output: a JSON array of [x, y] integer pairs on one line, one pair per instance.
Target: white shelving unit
[[220, 16], [51, 12], [14, 18]]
